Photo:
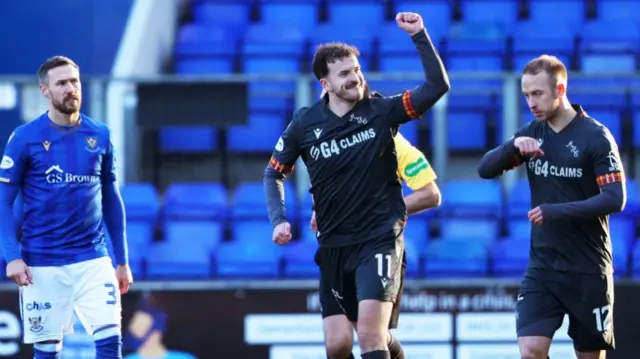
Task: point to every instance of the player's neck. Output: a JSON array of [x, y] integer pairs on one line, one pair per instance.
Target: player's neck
[[63, 119], [563, 118], [339, 106]]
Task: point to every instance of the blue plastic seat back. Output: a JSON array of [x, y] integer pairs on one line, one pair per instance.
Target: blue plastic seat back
[[343, 12], [571, 12], [239, 260], [141, 201], [616, 10], [206, 40], [481, 230], [177, 260], [222, 14], [503, 12], [249, 201], [303, 15], [519, 199], [299, 260], [510, 257], [196, 201], [472, 197], [188, 139], [456, 258]]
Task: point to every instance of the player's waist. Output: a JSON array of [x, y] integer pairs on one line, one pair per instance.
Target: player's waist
[[63, 255], [350, 235]]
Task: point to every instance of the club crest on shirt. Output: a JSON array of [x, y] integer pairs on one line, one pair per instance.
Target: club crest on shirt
[[91, 144]]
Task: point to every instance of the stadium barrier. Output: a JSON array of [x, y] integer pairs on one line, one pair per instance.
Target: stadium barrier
[[281, 320]]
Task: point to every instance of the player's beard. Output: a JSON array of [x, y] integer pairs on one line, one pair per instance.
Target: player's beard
[[69, 105]]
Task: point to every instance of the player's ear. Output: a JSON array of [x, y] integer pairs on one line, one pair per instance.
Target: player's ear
[[45, 91], [561, 90], [324, 84]]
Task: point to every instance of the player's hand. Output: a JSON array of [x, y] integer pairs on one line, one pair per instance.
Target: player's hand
[[125, 278], [410, 22], [314, 224], [535, 216], [529, 147], [282, 233], [19, 272]]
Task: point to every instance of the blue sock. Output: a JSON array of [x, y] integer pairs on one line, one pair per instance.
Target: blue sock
[[47, 351], [109, 348]]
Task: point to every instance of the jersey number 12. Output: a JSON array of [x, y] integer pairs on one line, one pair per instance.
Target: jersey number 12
[[603, 318]]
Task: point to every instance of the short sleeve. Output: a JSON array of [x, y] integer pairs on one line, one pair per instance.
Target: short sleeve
[[13, 164], [401, 109], [109, 168], [413, 166], [287, 149], [607, 164]]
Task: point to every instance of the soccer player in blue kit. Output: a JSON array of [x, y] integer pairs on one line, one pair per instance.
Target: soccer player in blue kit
[[64, 164]]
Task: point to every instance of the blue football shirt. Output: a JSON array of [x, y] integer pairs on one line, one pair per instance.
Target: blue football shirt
[[60, 172]]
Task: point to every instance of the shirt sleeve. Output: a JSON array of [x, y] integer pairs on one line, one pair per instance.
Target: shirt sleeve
[[14, 161], [287, 149], [109, 163], [607, 164], [413, 166]]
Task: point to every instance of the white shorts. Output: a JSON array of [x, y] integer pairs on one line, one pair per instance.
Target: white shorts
[[89, 288]]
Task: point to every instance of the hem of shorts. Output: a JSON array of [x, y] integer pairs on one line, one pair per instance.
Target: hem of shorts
[[383, 298], [45, 338], [64, 261]]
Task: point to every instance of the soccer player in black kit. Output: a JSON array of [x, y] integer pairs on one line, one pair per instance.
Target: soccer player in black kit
[[577, 181], [347, 145]]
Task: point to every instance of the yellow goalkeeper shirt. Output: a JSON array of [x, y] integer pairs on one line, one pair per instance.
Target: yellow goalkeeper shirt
[[413, 166]]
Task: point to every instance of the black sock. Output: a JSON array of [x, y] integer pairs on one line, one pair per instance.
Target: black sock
[[395, 348], [349, 357], [378, 354]]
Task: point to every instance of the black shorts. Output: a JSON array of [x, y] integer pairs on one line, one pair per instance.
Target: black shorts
[[546, 296], [370, 270]]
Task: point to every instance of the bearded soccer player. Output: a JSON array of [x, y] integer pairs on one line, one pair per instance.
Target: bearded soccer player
[[64, 164], [576, 180], [347, 145], [417, 173]]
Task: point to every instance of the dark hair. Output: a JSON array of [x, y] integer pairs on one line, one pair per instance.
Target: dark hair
[[52, 63], [549, 64], [330, 53]]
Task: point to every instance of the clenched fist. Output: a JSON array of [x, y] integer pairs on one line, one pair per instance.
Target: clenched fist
[[529, 147], [282, 233], [410, 22]]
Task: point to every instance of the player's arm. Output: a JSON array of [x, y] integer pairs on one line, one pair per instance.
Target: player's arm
[[609, 176], [12, 170], [500, 160], [113, 207], [414, 103], [418, 174], [280, 165], [510, 154]]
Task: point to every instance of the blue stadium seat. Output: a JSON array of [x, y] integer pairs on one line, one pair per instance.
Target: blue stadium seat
[[623, 230], [301, 14], [503, 12], [571, 12], [142, 207], [370, 13], [510, 257], [413, 254], [636, 128], [249, 212], [178, 260], [610, 36], [299, 260], [621, 256], [476, 47], [608, 64], [633, 200], [396, 50], [260, 134], [615, 10], [277, 53], [635, 266], [188, 139], [236, 14], [239, 259], [529, 42], [195, 212], [467, 130], [205, 49], [484, 230], [463, 198], [461, 258], [518, 205]]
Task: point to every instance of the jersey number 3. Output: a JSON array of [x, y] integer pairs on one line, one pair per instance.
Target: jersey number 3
[[113, 299]]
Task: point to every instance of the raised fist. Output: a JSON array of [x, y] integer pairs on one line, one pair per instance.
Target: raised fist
[[527, 146], [410, 22]]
